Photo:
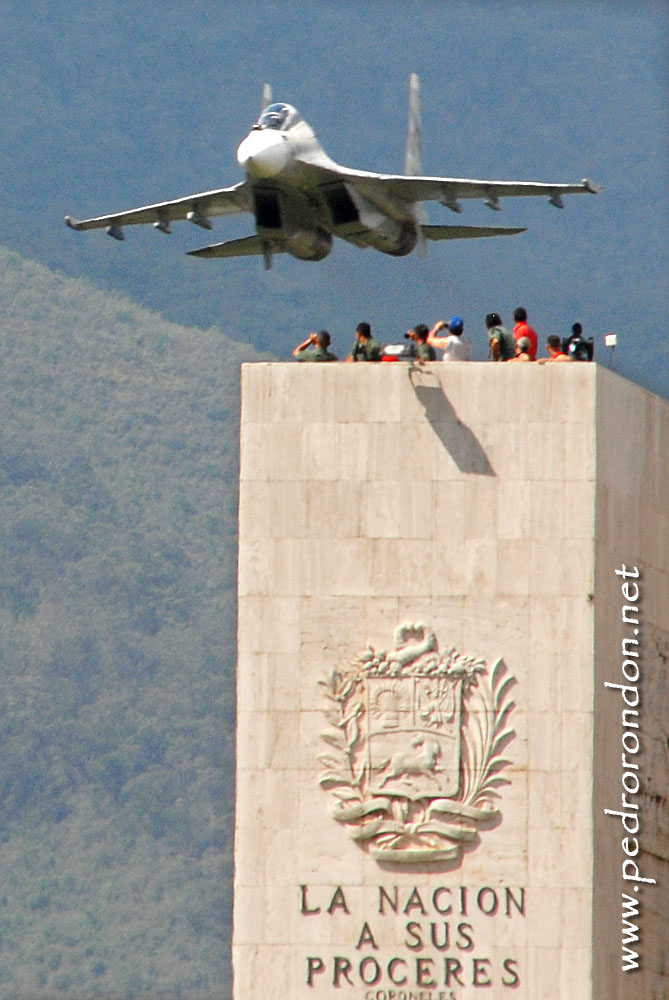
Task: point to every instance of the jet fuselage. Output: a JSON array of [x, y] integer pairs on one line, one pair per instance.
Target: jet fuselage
[[278, 157]]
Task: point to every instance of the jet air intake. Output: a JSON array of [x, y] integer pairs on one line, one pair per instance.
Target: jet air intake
[[284, 216]]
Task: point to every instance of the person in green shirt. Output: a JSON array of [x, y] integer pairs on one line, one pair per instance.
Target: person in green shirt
[[502, 341], [365, 347], [315, 348], [424, 351]]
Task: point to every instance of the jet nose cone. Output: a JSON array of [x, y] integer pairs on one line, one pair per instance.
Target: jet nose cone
[[263, 153]]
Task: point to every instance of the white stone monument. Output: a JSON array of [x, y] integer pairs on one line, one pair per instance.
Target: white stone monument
[[452, 684]]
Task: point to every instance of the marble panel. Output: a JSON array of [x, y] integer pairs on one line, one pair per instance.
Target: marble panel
[[382, 513], [350, 448], [270, 624], [481, 504], [518, 453], [387, 450], [579, 452], [514, 509], [353, 398], [251, 443], [269, 739], [545, 742], [282, 681], [287, 508], [317, 390], [249, 914], [449, 514], [556, 857], [580, 401], [447, 573], [255, 558], [480, 565], [254, 511], [513, 566], [274, 968], [576, 977], [579, 506]]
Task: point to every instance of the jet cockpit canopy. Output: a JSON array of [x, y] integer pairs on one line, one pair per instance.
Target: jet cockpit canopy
[[278, 116]]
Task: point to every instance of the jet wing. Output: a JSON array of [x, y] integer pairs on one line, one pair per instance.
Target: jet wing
[[450, 190], [467, 232], [248, 246], [196, 208]]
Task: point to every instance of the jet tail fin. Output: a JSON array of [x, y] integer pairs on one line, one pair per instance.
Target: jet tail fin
[[413, 158], [266, 96]]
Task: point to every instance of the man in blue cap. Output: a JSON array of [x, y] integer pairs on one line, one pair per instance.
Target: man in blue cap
[[456, 346]]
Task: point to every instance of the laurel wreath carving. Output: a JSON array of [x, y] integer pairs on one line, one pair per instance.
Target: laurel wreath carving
[[392, 827]]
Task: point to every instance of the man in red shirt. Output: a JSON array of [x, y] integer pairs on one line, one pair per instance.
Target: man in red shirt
[[554, 345], [523, 329]]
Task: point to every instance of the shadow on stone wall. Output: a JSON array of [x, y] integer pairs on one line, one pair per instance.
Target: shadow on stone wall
[[459, 441]]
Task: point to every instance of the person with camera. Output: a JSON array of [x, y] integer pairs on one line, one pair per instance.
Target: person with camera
[[456, 346], [424, 351], [577, 347]]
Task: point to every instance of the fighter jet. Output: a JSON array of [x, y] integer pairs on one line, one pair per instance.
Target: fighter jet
[[301, 199]]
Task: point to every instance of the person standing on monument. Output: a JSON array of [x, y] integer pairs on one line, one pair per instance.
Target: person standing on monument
[[456, 346], [424, 351], [554, 347], [320, 343], [522, 351], [365, 347], [523, 329], [502, 341]]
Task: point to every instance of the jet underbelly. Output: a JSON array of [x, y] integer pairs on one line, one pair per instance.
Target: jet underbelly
[[357, 219], [288, 214]]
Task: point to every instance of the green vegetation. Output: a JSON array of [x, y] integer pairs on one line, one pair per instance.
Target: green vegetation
[[118, 488]]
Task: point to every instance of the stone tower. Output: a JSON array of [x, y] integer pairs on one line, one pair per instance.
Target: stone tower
[[452, 684]]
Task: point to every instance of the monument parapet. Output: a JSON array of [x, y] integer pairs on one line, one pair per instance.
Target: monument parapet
[[452, 684]]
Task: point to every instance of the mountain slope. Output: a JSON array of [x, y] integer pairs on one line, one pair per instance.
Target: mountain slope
[[118, 486]]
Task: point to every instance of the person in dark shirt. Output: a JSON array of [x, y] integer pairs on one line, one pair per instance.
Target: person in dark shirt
[[577, 347], [320, 343], [365, 347]]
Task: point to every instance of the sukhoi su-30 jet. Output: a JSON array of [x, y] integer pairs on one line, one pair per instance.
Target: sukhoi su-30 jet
[[300, 198]]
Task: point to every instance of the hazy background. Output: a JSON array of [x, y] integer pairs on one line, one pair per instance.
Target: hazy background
[[120, 392], [116, 104]]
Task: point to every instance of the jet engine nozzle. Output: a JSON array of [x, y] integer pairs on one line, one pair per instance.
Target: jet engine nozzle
[[263, 153]]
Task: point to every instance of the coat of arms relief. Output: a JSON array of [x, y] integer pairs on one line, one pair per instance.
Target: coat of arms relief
[[416, 739]]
